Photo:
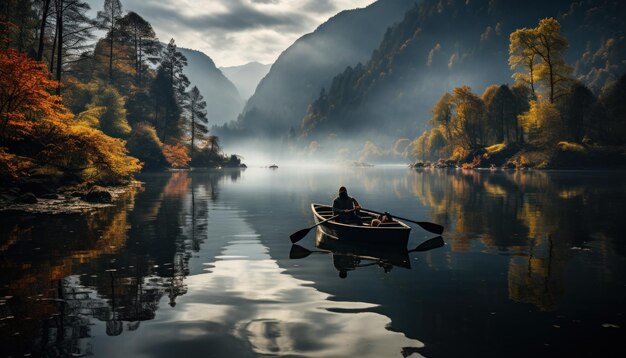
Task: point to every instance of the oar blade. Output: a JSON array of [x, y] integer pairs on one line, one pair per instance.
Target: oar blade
[[431, 227], [431, 244], [299, 235], [298, 252]]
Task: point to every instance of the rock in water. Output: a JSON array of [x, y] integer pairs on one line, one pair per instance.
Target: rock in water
[[28, 198], [49, 196], [98, 194]]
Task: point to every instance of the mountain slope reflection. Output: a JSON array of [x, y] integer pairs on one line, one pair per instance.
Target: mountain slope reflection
[[246, 305]]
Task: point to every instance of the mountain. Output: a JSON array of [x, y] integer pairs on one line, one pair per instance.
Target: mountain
[[223, 100], [444, 44], [303, 69], [246, 77]]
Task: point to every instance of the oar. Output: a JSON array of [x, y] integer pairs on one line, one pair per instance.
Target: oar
[[432, 227], [299, 235], [299, 252], [433, 243]]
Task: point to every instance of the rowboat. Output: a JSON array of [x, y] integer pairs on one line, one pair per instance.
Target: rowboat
[[392, 233], [363, 253]]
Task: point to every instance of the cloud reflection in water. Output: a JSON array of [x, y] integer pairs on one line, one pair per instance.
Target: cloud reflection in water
[[246, 305]]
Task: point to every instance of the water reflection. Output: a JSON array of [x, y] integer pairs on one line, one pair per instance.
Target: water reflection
[[349, 256], [542, 219], [198, 262]]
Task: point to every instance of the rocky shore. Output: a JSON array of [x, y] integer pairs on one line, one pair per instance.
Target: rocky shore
[[37, 197]]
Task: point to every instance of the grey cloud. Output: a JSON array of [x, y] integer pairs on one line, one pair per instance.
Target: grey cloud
[[240, 16], [320, 6]]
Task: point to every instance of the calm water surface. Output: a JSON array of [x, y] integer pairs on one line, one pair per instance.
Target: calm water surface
[[197, 264]]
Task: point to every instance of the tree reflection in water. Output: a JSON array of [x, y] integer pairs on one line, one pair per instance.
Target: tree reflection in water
[[62, 271], [551, 214]]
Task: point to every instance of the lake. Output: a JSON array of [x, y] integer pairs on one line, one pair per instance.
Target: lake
[[198, 264]]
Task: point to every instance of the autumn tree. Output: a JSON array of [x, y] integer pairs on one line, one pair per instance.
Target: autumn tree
[[198, 123], [35, 126], [523, 57], [419, 146], [547, 46], [442, 114], [24, 94], [469, 123], [145, 145], [176, 155], [543, 124], [113, 120], [435, 143]]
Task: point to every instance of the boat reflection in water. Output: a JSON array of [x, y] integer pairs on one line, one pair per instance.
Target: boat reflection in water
[[348, 256]]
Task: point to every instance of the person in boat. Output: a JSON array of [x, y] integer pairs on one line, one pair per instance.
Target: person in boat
[[346, 207], [384, 218]]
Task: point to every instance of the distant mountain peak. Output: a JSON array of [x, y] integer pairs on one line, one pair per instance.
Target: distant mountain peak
[[223, 100]]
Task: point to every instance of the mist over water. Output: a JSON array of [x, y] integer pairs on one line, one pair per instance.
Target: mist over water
[[333, 151]]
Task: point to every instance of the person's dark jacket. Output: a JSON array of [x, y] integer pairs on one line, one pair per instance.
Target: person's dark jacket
[[345, 202]]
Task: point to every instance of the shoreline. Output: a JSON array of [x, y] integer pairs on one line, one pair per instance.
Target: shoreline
[[68, 201]]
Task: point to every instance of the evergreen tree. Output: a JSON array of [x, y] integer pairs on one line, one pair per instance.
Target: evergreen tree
[[169, 93], [501, 113], [109, 20], [613, 99], [198, 123], [140, 36], [72, 34], [577, 108]]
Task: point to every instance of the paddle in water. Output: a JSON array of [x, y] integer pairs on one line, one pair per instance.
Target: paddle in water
[[299, 252], [432, 227], [300, 234], [430, 244]]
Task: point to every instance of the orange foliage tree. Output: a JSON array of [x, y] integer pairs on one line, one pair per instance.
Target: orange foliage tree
[[24, 94], [38, 134], [176, 155]]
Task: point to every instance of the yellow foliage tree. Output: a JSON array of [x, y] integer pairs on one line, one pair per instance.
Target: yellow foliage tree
[[541, 52], [542, 123]]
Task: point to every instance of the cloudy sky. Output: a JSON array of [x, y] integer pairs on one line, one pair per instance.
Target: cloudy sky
[[234, 32]]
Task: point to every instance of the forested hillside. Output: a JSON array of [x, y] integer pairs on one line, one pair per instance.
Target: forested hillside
[[442, 45]]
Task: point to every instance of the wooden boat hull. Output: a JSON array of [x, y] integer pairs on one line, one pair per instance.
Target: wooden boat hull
[[396, 234], [391, 254]]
